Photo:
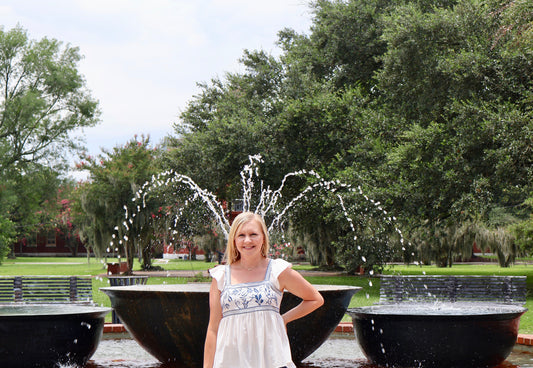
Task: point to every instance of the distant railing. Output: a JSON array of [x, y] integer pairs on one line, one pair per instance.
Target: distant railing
[[46, 289]]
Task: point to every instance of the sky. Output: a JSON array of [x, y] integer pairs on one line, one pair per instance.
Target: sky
[[143, 58]]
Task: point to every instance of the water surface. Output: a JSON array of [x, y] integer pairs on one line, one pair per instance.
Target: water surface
[[11, 310], [339, 351], [440, 309]]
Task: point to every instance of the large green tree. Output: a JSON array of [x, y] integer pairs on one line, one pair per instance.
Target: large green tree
[[43, 99], [114, 178], [464, 152]]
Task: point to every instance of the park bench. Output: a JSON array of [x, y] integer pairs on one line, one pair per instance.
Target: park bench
[[46, 289], [125, 281], [444, 288]]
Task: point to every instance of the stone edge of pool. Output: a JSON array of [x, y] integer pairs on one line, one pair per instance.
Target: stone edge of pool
[[345, 327]]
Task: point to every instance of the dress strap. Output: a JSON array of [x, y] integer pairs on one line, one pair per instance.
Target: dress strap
[[227, 276], [267, 273]]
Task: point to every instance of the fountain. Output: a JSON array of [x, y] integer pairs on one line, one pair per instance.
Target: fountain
[[441, 321], [265, 200], [170, 321], [47, 335], [447, 335]]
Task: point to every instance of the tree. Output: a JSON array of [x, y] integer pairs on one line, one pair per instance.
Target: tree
[[114, 178], [62, 217], [7, 236], [226, 123], [425, 104], [345, 44], [464, 152], [522, 231], [25, 198], [43, 99]]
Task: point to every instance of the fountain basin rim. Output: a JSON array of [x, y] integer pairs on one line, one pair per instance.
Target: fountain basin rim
[[204, 287], [433, 310], [36, 310]]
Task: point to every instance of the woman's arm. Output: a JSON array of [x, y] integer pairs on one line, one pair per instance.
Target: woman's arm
[[297, 285], [215, 315]]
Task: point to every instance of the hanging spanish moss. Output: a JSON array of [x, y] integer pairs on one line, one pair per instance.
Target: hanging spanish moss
[[500, 242]]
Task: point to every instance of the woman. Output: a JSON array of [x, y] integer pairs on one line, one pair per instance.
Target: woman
[[245, 328]]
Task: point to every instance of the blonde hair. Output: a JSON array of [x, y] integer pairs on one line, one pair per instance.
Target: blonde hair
[[232, 254]]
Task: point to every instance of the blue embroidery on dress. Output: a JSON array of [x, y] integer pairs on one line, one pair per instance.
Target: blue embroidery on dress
[[249, 297]]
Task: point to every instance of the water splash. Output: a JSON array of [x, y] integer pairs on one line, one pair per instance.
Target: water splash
[[256, 197]]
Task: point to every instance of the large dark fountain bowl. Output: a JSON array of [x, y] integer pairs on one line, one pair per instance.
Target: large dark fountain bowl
[[437, 335], [48, 335], [170, 321]]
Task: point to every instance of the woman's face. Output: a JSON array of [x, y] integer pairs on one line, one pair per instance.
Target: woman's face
[[249, 239]]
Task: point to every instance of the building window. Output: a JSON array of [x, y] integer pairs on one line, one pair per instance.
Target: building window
[[51, 239], [31, 241]]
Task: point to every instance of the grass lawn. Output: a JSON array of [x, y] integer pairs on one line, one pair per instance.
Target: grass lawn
[[367, 296]]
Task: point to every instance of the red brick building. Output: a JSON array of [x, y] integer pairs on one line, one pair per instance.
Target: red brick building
[[51, 244]]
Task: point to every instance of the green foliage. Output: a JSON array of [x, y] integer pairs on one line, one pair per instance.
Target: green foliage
[[463, 155], [501, 242], [7, 237], [523, 231], [516, 29], [346, 41], [43, 99], [28, 198], [423, 104], [443, 242], [115, 177]]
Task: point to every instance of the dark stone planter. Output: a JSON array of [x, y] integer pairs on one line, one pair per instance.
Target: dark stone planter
[[42, 335], [423, 335], [170, 321]]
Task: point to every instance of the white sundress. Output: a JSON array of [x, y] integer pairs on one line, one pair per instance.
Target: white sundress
[[252, 333]]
